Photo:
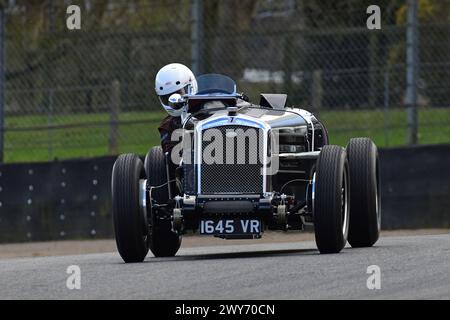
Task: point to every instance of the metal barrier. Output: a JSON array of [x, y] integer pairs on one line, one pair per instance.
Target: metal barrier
[[416, 187], [72, 200], [56, 200]]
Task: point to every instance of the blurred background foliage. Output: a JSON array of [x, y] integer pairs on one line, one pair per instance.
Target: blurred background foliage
[[59, 89]]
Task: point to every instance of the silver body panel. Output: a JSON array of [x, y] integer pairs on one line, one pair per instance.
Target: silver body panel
[[263, 119]]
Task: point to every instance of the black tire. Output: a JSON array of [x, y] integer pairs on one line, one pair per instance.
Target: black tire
[[155, 169], [331, 200], [163, 241], [130, 227], [365, 213]]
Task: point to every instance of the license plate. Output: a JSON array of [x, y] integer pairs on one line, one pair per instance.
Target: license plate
[[230, 227]]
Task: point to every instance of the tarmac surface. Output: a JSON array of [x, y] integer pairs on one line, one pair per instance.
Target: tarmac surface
[[411, 267]]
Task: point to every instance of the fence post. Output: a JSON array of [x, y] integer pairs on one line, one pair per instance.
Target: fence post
[[2, 80], [197, 36], [374, 41], [412, 66], [317, 91], [386, 105], [50, 123], [288, 52], [114, 118]]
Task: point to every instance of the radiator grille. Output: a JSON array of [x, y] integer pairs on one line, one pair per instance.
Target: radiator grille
[[238, 170]]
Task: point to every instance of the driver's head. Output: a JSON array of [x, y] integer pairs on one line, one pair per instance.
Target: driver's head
[[174, 78]]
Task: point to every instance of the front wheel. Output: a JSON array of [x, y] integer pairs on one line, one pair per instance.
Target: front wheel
[[331, 199], [130, 226]]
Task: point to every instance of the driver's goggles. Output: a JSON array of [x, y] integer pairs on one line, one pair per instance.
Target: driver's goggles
[[165, 98]]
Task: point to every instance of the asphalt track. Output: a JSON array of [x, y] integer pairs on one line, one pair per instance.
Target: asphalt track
[[413, 267]]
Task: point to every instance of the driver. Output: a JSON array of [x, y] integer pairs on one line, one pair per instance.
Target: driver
[[173, 78]]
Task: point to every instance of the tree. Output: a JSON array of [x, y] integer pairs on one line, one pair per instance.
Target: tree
[[434, 46]]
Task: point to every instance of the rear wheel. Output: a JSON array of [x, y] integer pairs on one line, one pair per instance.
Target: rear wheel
[[365, 213], [331, 200], [163, 241], [130, 228]]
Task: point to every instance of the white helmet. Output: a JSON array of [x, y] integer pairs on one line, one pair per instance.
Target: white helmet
[[174, 78]]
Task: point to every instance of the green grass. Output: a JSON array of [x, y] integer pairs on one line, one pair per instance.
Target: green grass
[[139, 132], [434, 126], [90, 139]]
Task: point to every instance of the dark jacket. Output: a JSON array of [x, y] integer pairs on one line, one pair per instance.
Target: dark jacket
[[166, 128]]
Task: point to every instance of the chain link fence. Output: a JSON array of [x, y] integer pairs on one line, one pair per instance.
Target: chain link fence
[[89, 92]]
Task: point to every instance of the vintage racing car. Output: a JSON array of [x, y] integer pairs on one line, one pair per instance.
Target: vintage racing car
[[242, 169]]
